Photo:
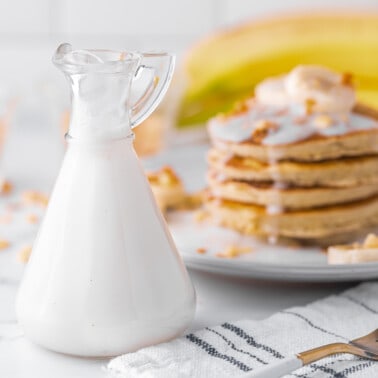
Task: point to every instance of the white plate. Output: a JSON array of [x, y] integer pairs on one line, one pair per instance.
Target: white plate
[[264, 261]]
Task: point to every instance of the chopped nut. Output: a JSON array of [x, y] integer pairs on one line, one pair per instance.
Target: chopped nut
[[166, 176], [347, 79], [4, 244], [309, 106], [6, 187], [262, 129], [24, 254], [35, 198], [323, 121], [201, 251], [32, 218], [166, 179], [371, 241], [233, 251], [239, 108]]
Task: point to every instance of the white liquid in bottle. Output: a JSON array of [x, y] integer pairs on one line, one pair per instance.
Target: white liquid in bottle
[[104, 277]]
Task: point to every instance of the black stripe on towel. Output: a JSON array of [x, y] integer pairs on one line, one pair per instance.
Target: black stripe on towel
[[250, 340], [314, 367], [310, 323], [214, 353], [326, 369], [327, 365], [232, 345], [353, 369], [360, 303], [333, 373]]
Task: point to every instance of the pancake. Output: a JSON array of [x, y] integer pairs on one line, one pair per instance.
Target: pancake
[[314, 149], [306, 224], [275, 133], [300, 160], [287, 197], [335, 173]]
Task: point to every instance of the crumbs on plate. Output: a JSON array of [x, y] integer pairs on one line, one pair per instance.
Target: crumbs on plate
[[201, 251], [233, 251], [201, 215]]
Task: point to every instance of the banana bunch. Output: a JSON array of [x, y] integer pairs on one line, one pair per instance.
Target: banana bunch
[[225, 67]]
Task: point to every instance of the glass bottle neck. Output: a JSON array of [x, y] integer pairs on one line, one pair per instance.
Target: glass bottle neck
[[100, 105]]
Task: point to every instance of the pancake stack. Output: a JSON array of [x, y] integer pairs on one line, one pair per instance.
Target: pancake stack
[[300, 160]]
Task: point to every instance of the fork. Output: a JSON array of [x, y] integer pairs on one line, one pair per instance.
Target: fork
[[366, 346]]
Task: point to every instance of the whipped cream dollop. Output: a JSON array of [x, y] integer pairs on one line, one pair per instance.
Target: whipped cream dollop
[[310, 100], [329, 91]]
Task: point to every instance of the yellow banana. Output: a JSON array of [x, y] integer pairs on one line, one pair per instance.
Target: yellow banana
[[225, 67]]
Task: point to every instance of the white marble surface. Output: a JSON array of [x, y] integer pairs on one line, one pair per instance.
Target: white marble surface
[[31, 162], [219, 299]]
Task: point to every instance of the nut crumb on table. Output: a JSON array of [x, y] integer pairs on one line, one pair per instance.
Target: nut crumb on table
[[6, 187], [4, 244], [35, 198], [31, 218], [24, 254]]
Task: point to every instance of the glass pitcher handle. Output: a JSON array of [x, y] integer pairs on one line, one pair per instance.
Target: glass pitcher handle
[[159, 66]]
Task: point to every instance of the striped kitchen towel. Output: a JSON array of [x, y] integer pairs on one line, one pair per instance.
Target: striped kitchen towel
[[233, 348]]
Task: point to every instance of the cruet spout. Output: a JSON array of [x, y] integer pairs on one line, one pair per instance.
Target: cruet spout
[[112, 91]]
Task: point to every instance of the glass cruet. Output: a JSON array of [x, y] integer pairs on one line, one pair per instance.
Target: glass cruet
[[104, 277]]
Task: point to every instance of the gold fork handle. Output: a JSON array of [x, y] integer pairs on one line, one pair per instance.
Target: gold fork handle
[[316, 354], [289, 364]]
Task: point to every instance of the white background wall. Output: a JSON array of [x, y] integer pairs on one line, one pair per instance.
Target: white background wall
[[31, 29]]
